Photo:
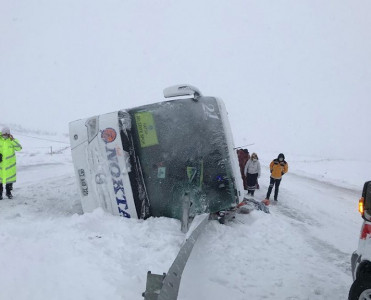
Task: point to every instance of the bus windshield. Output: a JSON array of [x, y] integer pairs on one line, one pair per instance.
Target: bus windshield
[[180, 147]]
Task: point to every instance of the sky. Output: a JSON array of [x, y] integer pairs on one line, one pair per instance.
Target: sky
[[294, 75]]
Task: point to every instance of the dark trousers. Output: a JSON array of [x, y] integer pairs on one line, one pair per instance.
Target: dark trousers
[[251, 182], [276, 183], [8, 188]]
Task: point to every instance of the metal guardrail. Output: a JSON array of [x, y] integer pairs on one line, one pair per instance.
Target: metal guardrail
[[166, 286]]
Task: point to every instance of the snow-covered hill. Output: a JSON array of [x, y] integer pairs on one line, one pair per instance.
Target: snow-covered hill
[[50, 250]]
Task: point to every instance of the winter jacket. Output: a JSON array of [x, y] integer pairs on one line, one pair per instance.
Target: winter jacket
[[243, 157], [8, 165], [278, 168], [252, 167]]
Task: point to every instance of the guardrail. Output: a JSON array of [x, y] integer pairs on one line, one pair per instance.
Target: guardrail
[[166, 286]]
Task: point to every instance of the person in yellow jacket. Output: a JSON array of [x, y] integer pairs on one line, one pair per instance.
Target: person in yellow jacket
[[278, 168], [8, 146]]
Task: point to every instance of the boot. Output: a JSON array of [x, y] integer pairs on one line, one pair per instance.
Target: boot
[[8, 189], [1, 196], [275, 195], [269, 192]]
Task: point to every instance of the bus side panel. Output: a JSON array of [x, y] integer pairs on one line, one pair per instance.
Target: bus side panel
[[79, 142], [99, 153], [117, 166]]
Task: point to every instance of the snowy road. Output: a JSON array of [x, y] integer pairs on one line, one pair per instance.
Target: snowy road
[[50, 251], [300, 251]]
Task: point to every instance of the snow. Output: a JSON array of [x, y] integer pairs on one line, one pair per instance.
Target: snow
[[301, 250], [295, 77]]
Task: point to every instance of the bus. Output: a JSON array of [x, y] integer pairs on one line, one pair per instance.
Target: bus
[[173, 158]]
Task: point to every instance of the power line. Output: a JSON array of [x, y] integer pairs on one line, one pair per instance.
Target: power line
[[43, 139]]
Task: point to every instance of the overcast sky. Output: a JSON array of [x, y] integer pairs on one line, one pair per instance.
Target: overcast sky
[[295, 75]]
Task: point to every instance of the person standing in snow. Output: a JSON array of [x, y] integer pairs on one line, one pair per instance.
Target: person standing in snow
[[8, 146], [243, 157], [278, 168], [252, 173]]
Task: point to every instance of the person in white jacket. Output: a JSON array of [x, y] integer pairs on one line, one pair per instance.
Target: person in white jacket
[[252, 173]]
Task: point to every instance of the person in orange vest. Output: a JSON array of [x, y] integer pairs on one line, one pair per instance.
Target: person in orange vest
[[278, 168]]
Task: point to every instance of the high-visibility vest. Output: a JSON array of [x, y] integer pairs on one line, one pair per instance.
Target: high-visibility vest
[[8, 172]]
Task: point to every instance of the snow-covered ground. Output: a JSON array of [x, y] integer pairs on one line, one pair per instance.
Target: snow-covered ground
[[50, 250]]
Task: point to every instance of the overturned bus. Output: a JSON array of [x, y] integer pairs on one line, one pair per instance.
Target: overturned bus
[[169, 158]]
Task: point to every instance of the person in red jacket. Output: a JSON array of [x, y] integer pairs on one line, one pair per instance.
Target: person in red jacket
[[243, 157], [278, 168]]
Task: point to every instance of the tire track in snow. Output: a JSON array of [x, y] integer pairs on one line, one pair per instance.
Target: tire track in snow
[[327, 251]]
